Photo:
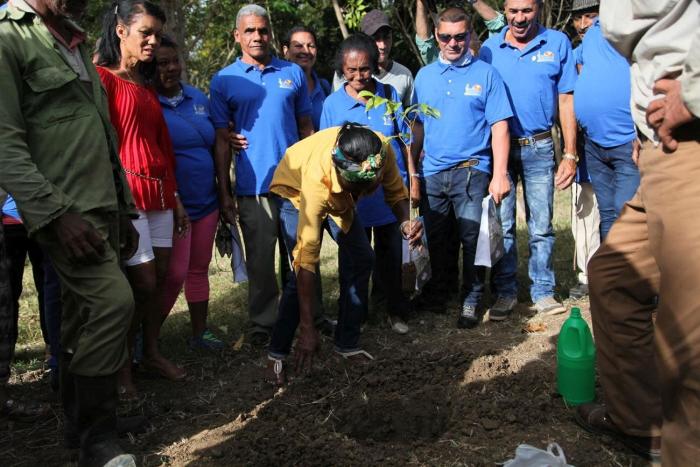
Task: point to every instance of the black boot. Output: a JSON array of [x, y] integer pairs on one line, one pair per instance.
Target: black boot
[[96, 421], [71, 439]]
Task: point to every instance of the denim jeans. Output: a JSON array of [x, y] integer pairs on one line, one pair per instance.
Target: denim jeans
[[355, 262], [615, 179], [386, 277], [463, 190], [534, 164]]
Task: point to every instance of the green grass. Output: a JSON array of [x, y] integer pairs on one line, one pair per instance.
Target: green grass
[[228, 315]]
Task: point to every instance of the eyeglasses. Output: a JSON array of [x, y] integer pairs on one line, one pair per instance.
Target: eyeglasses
[[446, 38]]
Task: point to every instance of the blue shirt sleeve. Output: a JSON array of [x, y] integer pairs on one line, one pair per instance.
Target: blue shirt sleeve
[[220, 113], [497, 104], [325, 121], [302, 103], [567, 74]]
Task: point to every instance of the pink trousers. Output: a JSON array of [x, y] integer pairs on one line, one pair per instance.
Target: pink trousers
[[189, 262]]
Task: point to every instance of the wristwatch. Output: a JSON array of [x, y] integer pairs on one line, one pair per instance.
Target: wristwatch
[[570, 156], [471, 2]]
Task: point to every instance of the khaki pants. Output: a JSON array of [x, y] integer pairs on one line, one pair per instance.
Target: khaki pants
[[259, 219], [585, 226], [97, 302], [650, 373]]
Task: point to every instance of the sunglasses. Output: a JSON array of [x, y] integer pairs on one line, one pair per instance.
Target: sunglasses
[[446, 38]]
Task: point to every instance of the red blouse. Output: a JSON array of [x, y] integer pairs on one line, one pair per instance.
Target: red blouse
[[145, 148]]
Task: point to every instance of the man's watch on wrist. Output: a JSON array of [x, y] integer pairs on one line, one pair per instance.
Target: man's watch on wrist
[[570, 156], [471, 2]]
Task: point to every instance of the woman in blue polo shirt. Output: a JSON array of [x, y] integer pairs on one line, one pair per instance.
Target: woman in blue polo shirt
[[186, 112], [357, 60], [300, 47]]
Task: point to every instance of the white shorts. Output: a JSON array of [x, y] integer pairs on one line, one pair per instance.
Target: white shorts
[[155, 231]]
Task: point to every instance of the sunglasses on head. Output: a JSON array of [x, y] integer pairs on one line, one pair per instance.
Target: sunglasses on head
[[446, 38]]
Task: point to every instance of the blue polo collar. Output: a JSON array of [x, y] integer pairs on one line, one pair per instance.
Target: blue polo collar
[[186, 94], [275, 64], [352, 103], [460, 66], [537, 41]]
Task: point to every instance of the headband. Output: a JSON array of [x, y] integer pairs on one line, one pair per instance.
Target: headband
[[359, 172]]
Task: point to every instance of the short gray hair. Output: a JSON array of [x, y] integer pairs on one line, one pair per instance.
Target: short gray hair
[[251, 9]]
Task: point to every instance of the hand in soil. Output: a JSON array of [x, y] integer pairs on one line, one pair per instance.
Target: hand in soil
[[306, 347]]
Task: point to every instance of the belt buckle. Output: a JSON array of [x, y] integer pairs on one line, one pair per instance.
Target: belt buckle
[[524, 141]]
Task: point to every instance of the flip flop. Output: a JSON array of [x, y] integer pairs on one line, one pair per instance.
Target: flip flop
[[176, 378]]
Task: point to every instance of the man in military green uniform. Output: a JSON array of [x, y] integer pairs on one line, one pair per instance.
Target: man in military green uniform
[[60, 162]]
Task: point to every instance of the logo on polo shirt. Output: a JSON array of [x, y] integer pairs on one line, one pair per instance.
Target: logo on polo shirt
[[285, 83], [388, 121], [472, 90], [199, 109], [543, 57]]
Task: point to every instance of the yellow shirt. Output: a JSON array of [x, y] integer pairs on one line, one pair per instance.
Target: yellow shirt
[[307, 177]]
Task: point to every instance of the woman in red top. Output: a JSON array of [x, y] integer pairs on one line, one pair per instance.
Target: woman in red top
[[130, 36]]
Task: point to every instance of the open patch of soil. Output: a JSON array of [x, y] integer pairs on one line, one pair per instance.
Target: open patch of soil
[[437, 396]]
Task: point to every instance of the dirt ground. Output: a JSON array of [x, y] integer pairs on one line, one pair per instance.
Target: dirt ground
[[437, 396]]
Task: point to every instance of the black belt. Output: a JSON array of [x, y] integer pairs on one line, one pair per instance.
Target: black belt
[[529, 139]]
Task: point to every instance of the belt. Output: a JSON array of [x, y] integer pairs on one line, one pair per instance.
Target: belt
[[466, 164], [526, 141]]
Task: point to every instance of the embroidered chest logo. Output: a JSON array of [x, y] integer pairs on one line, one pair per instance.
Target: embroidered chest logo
[[199, 109], [543, 57], [473, 90], [388, 121], [285, 83]]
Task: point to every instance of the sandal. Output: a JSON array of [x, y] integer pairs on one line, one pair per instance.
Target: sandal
[[594, 418], [24, 411], [170, 371], [276, 373]]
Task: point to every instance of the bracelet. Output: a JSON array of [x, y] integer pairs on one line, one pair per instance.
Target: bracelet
[[416, 175], [401, 229], [570, 156]]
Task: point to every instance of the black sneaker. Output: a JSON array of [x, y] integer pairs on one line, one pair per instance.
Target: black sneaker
[[578, 291], [469, 318], [502, 308]]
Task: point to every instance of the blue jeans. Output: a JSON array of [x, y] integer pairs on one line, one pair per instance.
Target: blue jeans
[[463, 190], [615, 179], [386, 277], [534, 164], [355, 262]]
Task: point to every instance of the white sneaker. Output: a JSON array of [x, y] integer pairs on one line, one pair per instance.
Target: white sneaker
[[549, 306], [398, 325]]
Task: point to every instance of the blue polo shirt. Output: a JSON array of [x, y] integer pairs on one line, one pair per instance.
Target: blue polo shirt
[[471, 97], [339, 108], [264, 106], [321, 90], [534, 77], [193, 136], [602, 92]]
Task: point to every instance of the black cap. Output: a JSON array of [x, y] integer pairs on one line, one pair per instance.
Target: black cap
[[373, 21]]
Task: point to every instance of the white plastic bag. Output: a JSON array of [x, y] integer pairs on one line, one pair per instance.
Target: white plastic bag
[[415, 267], [238, 268], [530, 456], [489, 245]]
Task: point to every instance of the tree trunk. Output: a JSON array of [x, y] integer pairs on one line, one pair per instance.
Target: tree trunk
[[341, 21]]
